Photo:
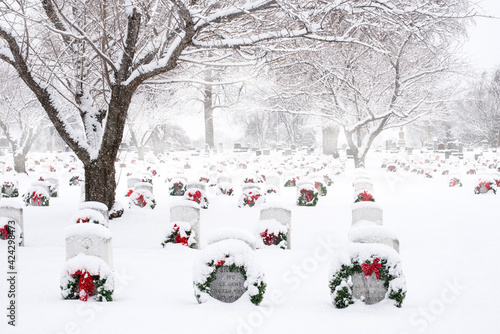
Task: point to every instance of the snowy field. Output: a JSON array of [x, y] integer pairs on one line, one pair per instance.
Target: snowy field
[[449, 243]]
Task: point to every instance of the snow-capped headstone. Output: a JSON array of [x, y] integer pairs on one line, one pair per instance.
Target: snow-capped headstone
[[227, 270], [224, 178], [98, 206], [132, 180], [144, 185], [374, 234], [274, 180], [232, 234], [361, 184], [281, 214], [89, 239], [187, 211], [13, 210], [369, 211], [198, 185]]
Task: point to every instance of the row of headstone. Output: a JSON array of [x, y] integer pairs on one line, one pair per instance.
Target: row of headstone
[[370, 268], [273, 228], [89, 255]]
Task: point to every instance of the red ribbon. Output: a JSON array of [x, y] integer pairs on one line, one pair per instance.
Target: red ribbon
[[269, 239], [142, 201], [36, 198], [4, 232], [366, 197], [85, 284], [82, 220], [178, 238], [196, 196], [130, 191], [308, 195], [374, 267], [220, 263]]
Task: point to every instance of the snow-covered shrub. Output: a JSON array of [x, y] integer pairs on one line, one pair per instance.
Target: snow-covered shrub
[[372, 261], [307, 195], [250, 198], [181, 233], [89, 216], [235, 256], [142, 198], [36, 196], [272, 233], [85, 276], [198, 196]]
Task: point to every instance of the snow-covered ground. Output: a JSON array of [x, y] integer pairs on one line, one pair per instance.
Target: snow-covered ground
[[449, 243]]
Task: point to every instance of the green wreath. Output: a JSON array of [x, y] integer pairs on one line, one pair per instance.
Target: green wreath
[[70, 289], [177, 189], [307, 197], [13, 193], [341, 291]]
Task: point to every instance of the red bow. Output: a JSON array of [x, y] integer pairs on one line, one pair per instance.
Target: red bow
[[220, 263], [269, 239], [196, 196], [141, 201], [308, 194], [178, 238], [36, 198], [82, 220], [366, 197], [374, 267], [130, 191], [4, 232], [85, 284]]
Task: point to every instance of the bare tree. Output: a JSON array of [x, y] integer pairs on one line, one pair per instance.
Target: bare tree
[[396, 78], [21, 116], [478, 115]]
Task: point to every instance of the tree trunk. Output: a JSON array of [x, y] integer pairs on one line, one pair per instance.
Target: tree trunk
[[100, 184], [140, 148], [330, 141], [20, 162], [359, 160], [209, 110]]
